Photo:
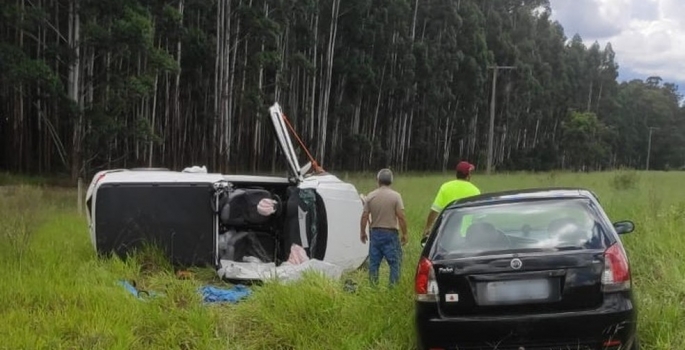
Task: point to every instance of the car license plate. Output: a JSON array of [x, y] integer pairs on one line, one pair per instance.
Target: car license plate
[[517, 291]]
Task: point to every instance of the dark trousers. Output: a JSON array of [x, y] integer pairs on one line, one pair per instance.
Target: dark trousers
[[386, 244]]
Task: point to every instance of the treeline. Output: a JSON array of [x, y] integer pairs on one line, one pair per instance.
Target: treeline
[[92, 84]]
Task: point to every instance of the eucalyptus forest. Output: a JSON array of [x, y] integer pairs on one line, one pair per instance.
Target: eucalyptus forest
[[87, 85]]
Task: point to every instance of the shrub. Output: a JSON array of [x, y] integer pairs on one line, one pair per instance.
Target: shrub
[[625, 180]]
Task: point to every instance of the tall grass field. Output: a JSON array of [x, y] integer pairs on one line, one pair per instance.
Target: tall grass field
[[56, 294]]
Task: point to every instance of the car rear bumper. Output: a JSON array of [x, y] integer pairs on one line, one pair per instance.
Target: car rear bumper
[[613, 322]]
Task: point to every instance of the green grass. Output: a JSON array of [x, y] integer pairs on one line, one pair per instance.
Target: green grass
[[55, 294]]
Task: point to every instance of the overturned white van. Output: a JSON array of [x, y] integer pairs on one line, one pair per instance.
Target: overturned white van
[[243, 225]]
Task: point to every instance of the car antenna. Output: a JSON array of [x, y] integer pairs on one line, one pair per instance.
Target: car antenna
[[317, 169]]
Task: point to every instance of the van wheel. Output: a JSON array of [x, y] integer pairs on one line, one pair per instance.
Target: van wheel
[[636, 344]]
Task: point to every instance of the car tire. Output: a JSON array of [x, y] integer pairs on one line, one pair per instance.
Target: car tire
[[636, 344]]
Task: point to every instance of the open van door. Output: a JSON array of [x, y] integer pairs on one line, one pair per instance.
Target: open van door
[[338, 207], [285, 142]]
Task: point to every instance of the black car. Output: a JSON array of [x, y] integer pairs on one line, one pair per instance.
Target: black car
[[525, 270]]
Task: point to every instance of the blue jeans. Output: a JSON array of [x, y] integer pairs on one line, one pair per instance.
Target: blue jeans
[[384, 243]]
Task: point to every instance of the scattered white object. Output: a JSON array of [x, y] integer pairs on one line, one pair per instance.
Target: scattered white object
[[266, 207], [196, 169], [252, 259], [291, 273], [286, 272], [246, 270]]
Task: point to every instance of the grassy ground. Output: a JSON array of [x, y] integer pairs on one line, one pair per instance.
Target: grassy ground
[[55, 294]]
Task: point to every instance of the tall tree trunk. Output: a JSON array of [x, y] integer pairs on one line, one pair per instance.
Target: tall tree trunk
[[599, 96], [152, 120], [589, 97], [328, 81], [73, 86], [177, 93], [315, 29], [218, 74], [225, 112], [258, 124], [19, 126], [375, 115], [229, 103]]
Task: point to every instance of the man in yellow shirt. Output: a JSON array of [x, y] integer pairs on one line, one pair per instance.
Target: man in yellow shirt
[[450, 191]]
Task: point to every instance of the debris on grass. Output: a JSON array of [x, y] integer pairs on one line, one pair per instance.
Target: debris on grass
[[184, 275], [212, 294], [350, 286], [137, 293]]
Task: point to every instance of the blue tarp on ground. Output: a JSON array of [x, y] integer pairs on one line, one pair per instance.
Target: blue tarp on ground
[[210, 294], [217, 295]]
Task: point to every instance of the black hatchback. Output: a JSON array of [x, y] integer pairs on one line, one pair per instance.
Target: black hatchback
[[526, 270]]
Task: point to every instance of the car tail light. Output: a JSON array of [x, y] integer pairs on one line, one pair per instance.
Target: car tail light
[[616, 276], [426, 287]]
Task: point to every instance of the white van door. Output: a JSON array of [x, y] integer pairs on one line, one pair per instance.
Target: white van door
[[278, 122]]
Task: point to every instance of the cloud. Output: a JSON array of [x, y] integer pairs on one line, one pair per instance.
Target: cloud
[[646, 10], [648, 36], [597, 19]]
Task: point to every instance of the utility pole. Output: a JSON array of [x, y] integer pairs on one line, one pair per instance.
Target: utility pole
[[649, 145], [492, 113]]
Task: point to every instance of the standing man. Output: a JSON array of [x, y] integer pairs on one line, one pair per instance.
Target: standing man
[[450, 191], [387, 213]]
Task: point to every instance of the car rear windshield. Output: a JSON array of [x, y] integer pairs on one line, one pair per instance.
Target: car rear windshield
[[527, 226]]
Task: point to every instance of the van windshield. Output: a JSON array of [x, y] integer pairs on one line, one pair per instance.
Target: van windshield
[[528, 226]]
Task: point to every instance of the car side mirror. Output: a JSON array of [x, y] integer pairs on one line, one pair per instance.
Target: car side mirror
[[623, 227], [423, 241]]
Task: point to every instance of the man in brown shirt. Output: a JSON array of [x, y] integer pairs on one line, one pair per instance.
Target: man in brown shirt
[[386, 209]]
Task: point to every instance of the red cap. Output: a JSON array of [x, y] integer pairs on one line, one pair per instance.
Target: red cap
[[465, 168]]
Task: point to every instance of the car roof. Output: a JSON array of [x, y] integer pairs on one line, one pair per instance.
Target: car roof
[[517, 195]]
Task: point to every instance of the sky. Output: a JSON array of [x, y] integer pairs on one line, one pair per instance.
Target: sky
[[648, 36]]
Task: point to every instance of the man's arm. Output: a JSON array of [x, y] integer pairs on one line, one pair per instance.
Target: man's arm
[[362, 226], [429, 221], [364, 222], [437, 206], [401, 219]]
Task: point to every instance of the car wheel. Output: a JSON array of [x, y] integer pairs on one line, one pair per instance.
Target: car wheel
[[636, 344]]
